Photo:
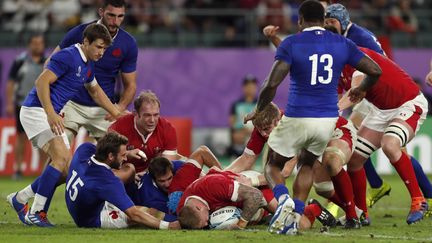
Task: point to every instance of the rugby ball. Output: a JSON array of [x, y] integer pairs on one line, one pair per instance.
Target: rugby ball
[[224, 217]]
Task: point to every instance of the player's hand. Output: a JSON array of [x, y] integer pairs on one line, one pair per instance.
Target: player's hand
[[356, 94], [138, 177], [56, 123], [242, 179], [136, 154], [249, 117], [270, 31], [121, 112], [10, 110], [429, 78], [174, 225]]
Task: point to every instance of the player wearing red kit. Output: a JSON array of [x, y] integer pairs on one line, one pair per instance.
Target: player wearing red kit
[[398, 108], [147, 131]]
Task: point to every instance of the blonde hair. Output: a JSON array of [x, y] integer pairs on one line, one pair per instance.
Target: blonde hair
[[146, 96], [266, 116], [188, 217]]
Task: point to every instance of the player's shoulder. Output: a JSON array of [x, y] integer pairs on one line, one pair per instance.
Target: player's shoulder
[[126, 36], [164, 123], [86, 148], [126, 119]]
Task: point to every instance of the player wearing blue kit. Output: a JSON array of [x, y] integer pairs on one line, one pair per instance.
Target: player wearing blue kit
[[95, 197], [119, 60], [315, 58], [337, 16], [66, 72]]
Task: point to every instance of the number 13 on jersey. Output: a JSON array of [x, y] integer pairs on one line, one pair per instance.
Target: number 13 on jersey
[[327, 60]]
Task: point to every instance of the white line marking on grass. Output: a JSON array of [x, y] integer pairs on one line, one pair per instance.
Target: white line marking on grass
[[375, 236]]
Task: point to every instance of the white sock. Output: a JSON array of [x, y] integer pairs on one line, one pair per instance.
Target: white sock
[[282, 197], [38, 203], [25, 194]]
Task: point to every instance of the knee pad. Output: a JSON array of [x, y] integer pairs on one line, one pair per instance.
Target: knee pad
[[364, 147], [337, 152], [398, 131], [325, 186]]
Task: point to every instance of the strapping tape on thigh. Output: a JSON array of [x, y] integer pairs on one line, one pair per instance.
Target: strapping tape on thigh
[[398, 131], [364, 147]]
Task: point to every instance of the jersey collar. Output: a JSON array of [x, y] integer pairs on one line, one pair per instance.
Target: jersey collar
[[83, 57], [199, 199], [348, 28], [100, 22], [313, 28], [99, 163], [141, 135]]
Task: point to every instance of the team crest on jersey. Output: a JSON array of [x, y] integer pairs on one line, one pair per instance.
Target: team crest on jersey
[[319, 32], [78, 74], [116, 52]]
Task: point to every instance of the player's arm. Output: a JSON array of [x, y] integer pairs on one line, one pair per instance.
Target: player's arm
[[146, 219], [10, 90], [372, 71], [270, 31], [204, 156], [126, 173], [252, 200], [279, 71], [345, 102], [99, 96], [244, 162], [129, 85], [43, 82], [429, 75]]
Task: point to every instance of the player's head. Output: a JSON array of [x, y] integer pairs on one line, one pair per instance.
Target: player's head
[[36, 44], [112, 14], [111, 149], [267, 119], [96, 41], [194, 214], [250, 86], [147, 111], [311, 12], [162, 172], [337, 15]]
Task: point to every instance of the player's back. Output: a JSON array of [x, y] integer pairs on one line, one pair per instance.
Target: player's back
[[316, 59], [87, 182]]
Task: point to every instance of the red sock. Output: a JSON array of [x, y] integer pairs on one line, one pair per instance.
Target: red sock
[[343, 187], [358, 180], [312, 211], [336, 200], [406, 172]]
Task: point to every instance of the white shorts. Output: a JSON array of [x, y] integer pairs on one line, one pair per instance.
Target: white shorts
[[363, 108], [413, 112], [112, 217], [35, 123], [293, 134], [90, 117]]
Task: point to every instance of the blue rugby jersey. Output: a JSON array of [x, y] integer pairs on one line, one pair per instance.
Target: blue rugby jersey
[[121, 56], [363, 37], [73, 70], [89, 185], [317, 58]]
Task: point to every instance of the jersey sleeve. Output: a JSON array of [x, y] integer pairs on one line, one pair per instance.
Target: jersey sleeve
[[59, 64], [255, 144], [13, 72], [170, 137], [354, 53], [283, 52], [73, 36], [115, 193], [91, 80], [224, 188], [129, 63]]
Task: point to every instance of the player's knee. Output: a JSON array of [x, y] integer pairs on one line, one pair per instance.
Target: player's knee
[[324, 189], [390, 147], [60, 160]]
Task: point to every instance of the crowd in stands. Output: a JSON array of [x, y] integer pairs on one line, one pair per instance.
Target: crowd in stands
[[234, 19]]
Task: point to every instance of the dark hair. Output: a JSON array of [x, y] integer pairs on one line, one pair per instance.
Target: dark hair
[[159, 166], [249, 79], [97, 31], [114, 3], [109, 143], [145, 96], [312, 11], [35, 35]]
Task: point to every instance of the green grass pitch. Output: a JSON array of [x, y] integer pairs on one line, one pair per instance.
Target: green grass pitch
[[388, 225]]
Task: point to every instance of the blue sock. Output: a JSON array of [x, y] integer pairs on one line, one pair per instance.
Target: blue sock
[[35, 184], [373, 178], [422, 179], [299, 206], [46, 189], [279, 190]]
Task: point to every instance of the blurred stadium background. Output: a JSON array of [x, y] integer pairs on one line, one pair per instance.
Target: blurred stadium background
[[195, 53]]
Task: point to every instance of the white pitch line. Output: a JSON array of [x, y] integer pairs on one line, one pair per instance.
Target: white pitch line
[[375, 236]]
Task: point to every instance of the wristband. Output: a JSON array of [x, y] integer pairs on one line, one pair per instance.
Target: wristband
[[242, 223], [163, 225]]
